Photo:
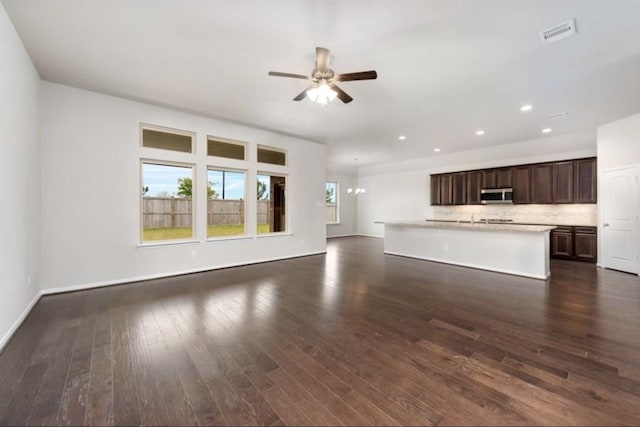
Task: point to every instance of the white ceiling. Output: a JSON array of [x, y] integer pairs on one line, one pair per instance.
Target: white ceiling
[[445, 67]]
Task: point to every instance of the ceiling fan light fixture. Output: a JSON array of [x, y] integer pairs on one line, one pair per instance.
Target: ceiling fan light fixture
[[322, 93]]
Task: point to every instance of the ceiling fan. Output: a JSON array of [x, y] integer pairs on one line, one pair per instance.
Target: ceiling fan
[[323, 80]]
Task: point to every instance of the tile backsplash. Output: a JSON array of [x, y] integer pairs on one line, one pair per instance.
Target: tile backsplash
[[577, 214]]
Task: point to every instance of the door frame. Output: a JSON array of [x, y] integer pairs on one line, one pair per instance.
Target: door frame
[[601, 173]]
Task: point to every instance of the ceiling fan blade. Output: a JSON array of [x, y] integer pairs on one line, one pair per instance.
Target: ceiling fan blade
[[302, 94], [362, 75], [322, 58], [293, 76], [344, 96]]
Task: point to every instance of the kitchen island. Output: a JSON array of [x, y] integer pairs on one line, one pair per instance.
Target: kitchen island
[[521, 250]]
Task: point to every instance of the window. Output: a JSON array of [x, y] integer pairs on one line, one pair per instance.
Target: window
[[166, 139], [271, 203], [229, 150], [272, 156], [331, 198], [167, 202], [225, 202]]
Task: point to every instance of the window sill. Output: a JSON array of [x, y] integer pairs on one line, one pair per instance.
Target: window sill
[[165, 243], [224, 238], [281, 234], [333, 223]]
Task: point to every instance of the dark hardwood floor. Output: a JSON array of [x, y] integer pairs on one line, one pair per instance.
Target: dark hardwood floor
[[354, 337]]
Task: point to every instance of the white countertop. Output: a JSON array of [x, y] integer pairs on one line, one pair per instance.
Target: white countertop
[[477, 226]]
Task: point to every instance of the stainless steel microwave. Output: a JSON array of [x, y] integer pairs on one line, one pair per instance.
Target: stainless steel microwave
[[496, 195]]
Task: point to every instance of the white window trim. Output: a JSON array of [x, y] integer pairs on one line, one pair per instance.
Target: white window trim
[[246, 234], [277, 149], [228, 141], [194, 145], [194, 194], [337, 221]]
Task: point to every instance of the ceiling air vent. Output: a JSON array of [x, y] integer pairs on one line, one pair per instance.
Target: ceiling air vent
[[558, 32], [558, 115]]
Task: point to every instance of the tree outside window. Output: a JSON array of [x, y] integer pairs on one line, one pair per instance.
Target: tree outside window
[[331, 199]]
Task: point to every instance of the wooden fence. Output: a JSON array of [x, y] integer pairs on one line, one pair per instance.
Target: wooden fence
[[170, 212]]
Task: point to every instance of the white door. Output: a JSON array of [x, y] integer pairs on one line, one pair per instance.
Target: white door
[[619, 197]]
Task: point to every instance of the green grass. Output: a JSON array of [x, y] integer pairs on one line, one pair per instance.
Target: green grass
[[155, 234]]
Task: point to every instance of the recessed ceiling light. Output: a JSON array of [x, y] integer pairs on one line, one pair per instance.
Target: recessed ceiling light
[[526, 108], [479, 132], [546, 130], [402, 137], [437, 150]]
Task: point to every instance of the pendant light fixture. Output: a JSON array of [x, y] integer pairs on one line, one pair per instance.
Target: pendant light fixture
[[357, 190]]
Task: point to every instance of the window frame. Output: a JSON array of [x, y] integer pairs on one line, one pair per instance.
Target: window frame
[[244, 144], [276, 149], [164, 129], [337, 204], [194, 195], [246, 233], [287, 221]]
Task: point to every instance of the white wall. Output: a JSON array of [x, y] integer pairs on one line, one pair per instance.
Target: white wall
[[400, 190], [346, 206], [391, 196], [91, 181], [20, 177], [619, 143]]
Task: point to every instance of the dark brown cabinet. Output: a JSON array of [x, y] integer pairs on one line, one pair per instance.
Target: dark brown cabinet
[[522, 184], [571, 181], [585, 244], [446, 189], [489, 178], [562, 242], [575, 243], [542, 183], [563, 182], [504, 178], [474, 185], [585, 188], [435, 190], [460, 188]]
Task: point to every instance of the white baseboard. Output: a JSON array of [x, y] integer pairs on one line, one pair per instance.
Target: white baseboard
[[12, 330], [80, 287], [342, 235], [370, 235]]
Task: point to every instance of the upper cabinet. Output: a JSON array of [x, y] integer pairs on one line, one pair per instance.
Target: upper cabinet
[[435, 190], [489, 179], [563, 182], [474, 185], [542, 183], [446, 189], [572, 181], [522, 184], [585, 188], [460, 188], [504, 178]]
